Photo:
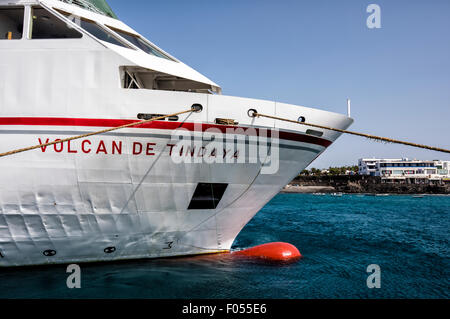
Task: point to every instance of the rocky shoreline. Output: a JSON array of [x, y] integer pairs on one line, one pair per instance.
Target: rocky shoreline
[[356, 184], [308, 189]]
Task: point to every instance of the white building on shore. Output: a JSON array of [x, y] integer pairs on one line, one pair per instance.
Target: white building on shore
[[368, 166], [405, 170]]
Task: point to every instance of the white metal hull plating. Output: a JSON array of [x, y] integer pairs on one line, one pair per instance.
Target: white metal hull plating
[[87, 201], [94, 207]]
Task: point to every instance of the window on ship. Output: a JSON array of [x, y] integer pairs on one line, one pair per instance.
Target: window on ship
[[47, 26], [96, 30], [134, 77], [100, 33], [11, 23], [140, 43]]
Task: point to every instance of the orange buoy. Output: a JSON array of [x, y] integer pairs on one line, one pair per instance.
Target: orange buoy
[[272, 251]]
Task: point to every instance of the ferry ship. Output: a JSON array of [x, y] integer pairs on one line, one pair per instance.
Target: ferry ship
[[70, 67]]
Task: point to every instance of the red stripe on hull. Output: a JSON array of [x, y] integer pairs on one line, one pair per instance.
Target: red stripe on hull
[[160, 125]]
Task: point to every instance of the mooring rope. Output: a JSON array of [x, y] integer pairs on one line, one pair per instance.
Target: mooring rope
[[254, 113], [251, 113], [194, 108]]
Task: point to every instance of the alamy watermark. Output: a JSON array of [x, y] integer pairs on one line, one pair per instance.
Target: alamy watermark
[[374, 279], [74, 279], [226, 146], [374, 20]]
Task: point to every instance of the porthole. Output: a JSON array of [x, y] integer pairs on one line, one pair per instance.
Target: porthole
[[109, 250], [49, 253], [314, 132]]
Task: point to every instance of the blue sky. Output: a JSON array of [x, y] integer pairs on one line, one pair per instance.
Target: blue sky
[[317, 53]]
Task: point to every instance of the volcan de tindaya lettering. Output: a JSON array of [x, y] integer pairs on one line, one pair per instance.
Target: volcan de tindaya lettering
[[181, 185]]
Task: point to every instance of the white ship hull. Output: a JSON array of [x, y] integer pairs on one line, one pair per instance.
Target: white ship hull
[[107, 198], [122, 195]]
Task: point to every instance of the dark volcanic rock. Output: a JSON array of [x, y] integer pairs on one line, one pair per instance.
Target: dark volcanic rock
[[369, 184]]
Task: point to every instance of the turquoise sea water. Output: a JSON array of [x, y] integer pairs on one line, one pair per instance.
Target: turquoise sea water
[[338, 236]]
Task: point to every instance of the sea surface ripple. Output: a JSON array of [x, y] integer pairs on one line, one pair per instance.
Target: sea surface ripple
[[339, 238]]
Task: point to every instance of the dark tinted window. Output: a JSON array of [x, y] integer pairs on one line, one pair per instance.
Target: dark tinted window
[[47, 26], [207, 196], [101, 34], [141, 44], [11, 23], [94, 29]]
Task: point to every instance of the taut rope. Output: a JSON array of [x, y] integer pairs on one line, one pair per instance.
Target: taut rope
[[194, 108], [251, 112], [254, 113]]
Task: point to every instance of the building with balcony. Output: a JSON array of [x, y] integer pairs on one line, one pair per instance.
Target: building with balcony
[[368, 166], [406, 171]]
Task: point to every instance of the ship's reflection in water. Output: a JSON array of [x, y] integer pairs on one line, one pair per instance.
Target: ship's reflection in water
[[338, 237]]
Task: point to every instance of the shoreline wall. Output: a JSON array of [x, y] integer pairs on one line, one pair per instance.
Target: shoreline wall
[[360, 184]]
